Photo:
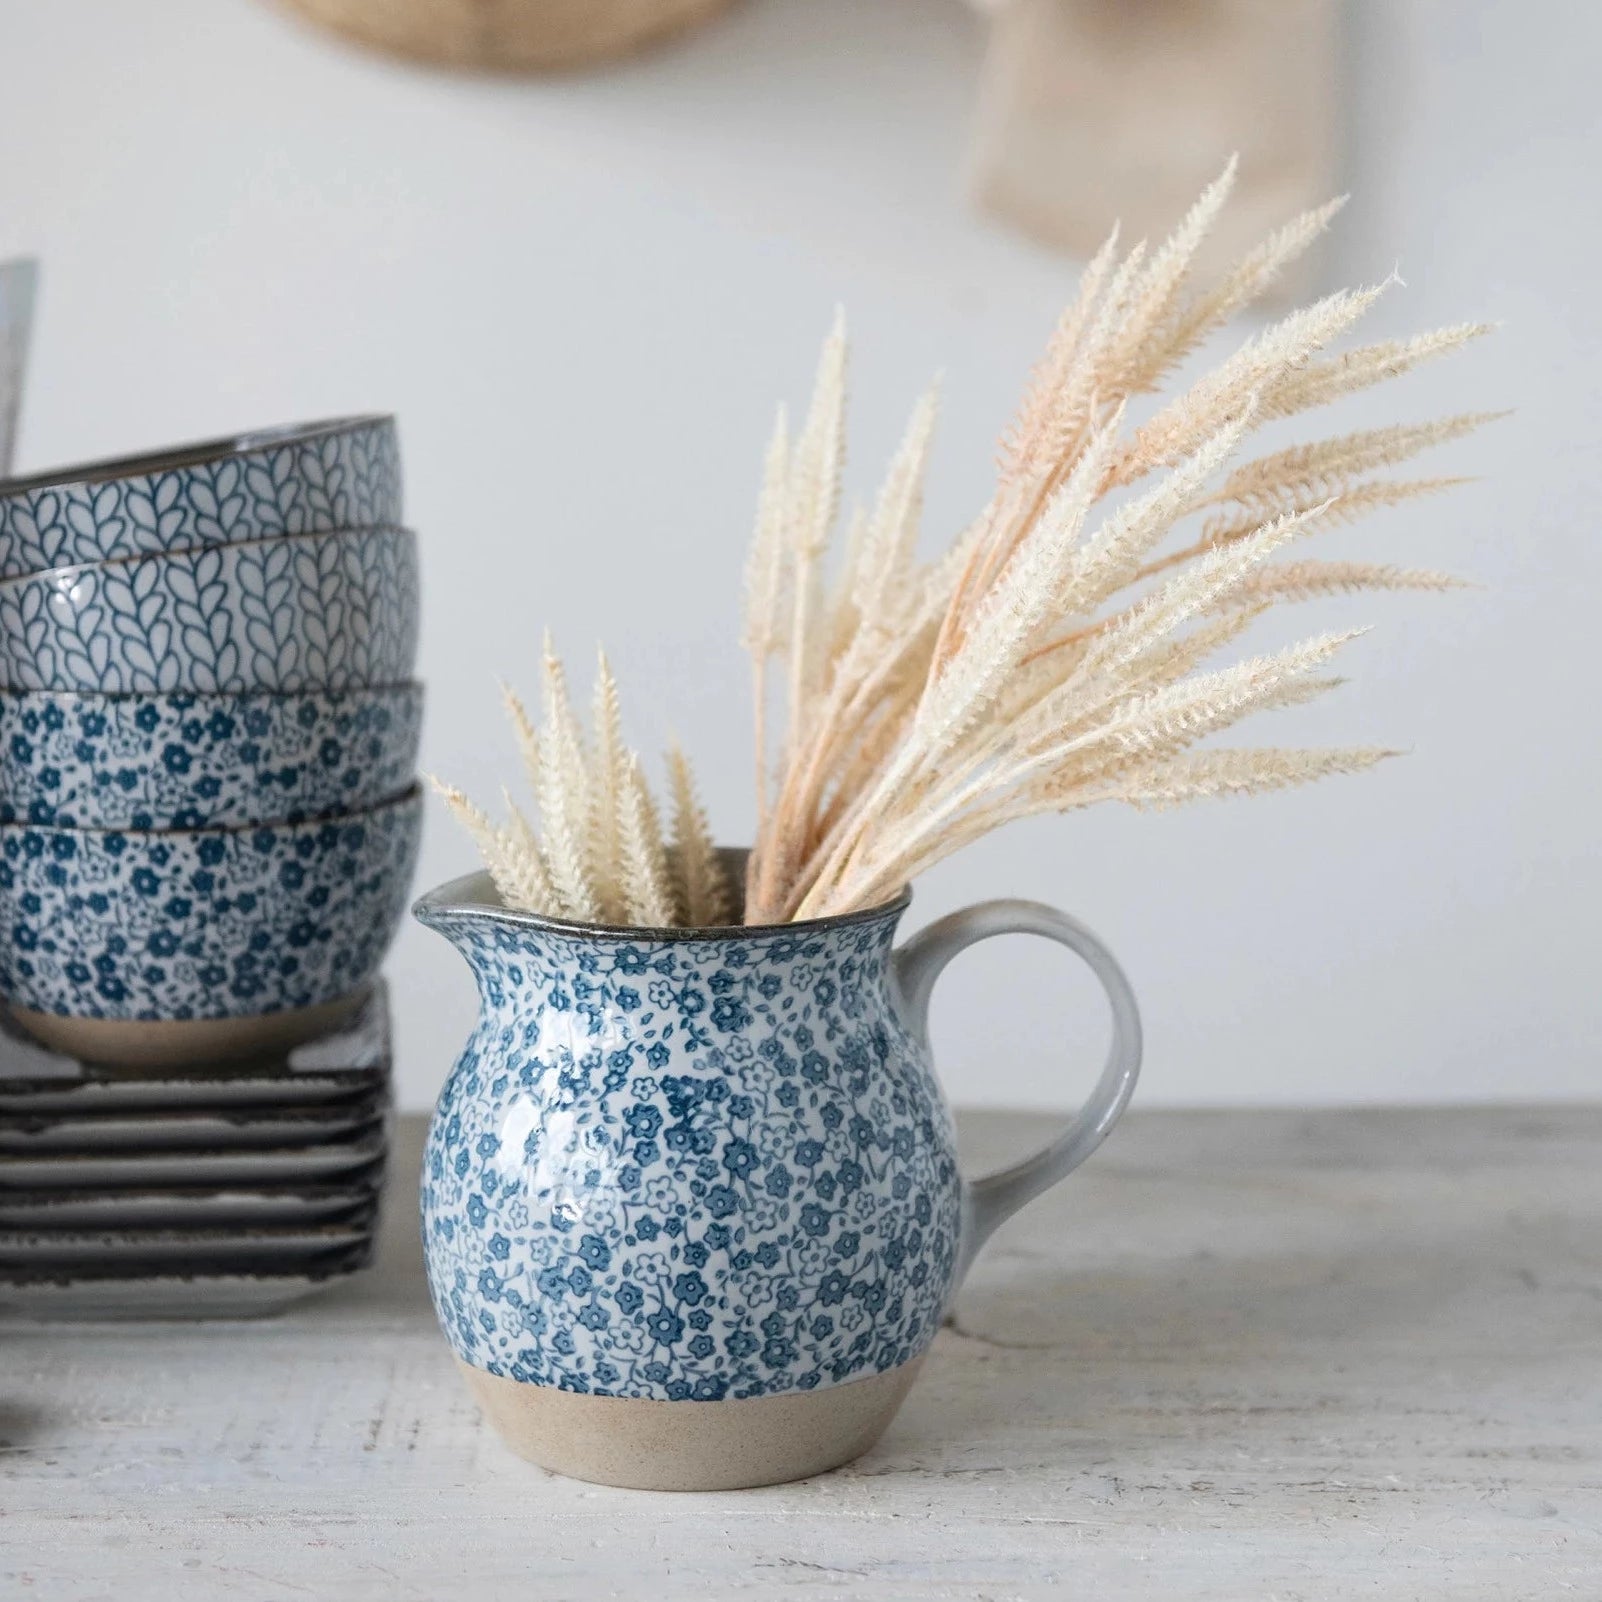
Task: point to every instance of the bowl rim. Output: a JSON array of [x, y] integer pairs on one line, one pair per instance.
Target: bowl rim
[[199, 453], [409, 689], [70, 573], [409, 799]]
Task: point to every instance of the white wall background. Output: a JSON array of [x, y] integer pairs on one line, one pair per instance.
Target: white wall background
[[583, 298]]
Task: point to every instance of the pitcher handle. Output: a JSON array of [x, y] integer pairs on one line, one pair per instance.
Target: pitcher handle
[[919, 963]]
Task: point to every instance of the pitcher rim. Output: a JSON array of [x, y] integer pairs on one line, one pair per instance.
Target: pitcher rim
[[469, 895]]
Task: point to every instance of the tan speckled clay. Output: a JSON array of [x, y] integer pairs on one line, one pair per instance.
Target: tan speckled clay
[[189, 1042], [691, 1446]]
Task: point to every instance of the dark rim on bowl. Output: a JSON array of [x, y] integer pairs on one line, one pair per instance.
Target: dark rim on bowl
[[69, 572], [413, 688], [411, 796], [195, 455]]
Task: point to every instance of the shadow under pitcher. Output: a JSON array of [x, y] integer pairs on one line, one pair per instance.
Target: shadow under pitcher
[[691, 1207]]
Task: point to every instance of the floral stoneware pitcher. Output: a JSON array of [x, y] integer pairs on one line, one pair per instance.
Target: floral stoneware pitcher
[[691, 1206]]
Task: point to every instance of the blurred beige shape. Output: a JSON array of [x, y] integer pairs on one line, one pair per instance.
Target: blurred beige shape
[[17, 283], [509, 35], [1099, 111]]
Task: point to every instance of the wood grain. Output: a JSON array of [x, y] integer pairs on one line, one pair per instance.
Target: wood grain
[[1241, 1355]]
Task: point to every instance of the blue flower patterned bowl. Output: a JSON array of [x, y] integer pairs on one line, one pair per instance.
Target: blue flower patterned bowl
[[313, 611], [70, 758], [305, 479], [119, 927]]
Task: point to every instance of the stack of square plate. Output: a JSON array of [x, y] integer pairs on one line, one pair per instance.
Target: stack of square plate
[[202, 1194]]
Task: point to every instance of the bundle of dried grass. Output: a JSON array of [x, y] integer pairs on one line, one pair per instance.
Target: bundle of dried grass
[[1057, 655], [600, 854], [1061, 652]]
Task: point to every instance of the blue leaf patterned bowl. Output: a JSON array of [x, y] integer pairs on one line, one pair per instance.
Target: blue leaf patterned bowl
[[72, 758], [305, 479], [199, 925], [315, 611]]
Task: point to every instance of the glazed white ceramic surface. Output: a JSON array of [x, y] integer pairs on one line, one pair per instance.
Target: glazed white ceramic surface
[[192, 926], [86, 759], [308, 612], [706, 1165]]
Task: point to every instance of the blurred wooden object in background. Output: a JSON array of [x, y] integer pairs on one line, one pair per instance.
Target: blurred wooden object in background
[[1100, 111], [18, 282], [509, 35]]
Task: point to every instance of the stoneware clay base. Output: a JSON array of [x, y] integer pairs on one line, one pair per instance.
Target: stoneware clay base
[[188, 1042], [691, 1446]]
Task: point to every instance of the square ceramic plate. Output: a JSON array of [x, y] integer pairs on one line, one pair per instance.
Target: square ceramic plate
[[190, 1209], [160, 1250], [200, 1168], [78, 1131], [191, 1092], [54, 1295]]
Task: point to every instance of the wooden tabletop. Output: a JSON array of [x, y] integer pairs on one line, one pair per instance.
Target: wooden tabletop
[[1241, 1355]]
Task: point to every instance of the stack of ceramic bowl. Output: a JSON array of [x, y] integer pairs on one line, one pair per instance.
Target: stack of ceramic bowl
[[208, 734]]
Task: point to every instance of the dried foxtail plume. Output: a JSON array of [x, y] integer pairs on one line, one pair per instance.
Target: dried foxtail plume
[[1063, 650], [1070, 646], [598, 855], [704, 897]]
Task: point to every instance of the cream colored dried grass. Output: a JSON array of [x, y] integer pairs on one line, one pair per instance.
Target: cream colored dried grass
[[599, 855], [1062, 651], [1058, 654]]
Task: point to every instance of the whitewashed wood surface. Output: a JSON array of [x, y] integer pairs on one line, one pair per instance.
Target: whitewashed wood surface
[[1239, 1356]]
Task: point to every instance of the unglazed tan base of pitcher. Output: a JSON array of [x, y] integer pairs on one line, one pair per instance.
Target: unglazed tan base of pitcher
[[691, 1446], [186, 1042]]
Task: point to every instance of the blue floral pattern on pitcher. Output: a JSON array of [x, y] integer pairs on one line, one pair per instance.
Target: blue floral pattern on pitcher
[[294, 481], [319, 611], [184, 761], [686, 1168]]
